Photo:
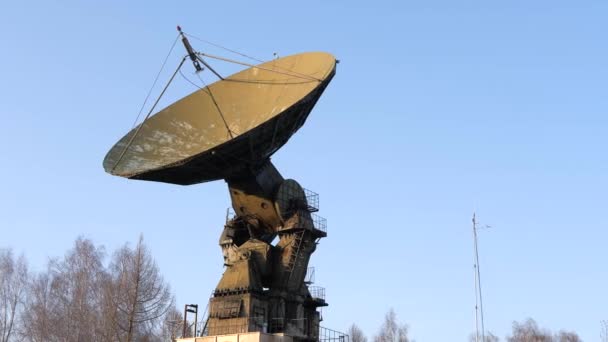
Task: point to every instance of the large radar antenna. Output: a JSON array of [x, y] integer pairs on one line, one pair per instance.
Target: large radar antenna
[[229, 130]]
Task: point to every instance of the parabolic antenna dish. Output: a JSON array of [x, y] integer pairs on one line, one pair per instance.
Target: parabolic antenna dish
[[228, 127]]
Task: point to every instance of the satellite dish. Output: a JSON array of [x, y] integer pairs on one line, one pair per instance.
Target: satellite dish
[[227, 128]]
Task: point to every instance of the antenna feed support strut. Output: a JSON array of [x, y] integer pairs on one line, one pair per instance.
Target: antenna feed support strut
[[191, 53]]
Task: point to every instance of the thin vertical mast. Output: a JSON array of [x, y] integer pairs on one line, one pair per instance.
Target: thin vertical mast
[[476, 289], [478, 292]]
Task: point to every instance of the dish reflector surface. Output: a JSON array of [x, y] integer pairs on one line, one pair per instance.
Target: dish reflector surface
[[188, 141]]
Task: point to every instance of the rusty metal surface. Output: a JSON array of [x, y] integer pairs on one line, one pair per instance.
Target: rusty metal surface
[[188, 143], [267, 280]]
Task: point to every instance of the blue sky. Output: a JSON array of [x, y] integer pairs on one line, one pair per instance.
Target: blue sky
[[438, 108]]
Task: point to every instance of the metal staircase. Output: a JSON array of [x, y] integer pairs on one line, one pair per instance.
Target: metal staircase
[[295, 253]]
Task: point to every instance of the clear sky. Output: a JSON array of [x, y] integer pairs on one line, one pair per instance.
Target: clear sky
[[438, 108]]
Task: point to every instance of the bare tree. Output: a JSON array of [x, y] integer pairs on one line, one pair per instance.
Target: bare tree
[[567, 336], [39, 316], [529, 332], [491, 337], [391, 330], [139, 293], [356, 334], [13, 286], [64, 301], [172, 325], [76, 288], [77, 298]]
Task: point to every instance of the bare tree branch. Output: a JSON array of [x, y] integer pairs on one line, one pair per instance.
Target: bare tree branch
[[391, 330], [141, 295], [13, 285], [356, 334]]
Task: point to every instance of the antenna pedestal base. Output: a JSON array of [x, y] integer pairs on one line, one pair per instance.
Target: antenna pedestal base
[[263, 288], [241, 337]]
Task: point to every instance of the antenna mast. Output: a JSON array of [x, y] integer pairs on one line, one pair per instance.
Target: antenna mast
[[478, 296]]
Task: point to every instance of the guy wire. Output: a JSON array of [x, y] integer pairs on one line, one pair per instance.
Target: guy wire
[[155, 80], [122, 154]]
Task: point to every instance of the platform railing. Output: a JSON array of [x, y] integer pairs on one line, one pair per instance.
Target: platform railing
[[329, 335], [253, 324], [312, 200], [310, 276], [319, 222], [317, 292]]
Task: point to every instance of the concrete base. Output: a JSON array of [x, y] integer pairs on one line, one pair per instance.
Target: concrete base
[[244, 337]]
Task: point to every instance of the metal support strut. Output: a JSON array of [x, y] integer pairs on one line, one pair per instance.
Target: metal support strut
[[194, 56], [190, 51]]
